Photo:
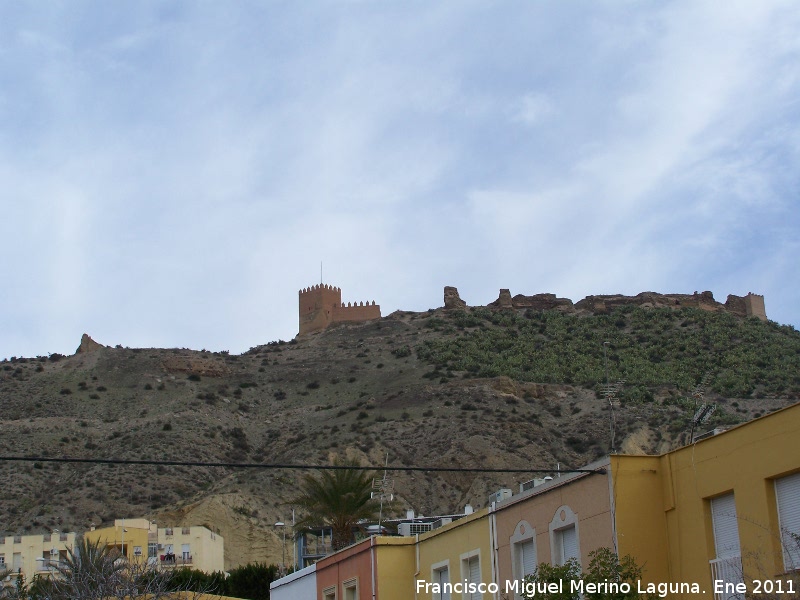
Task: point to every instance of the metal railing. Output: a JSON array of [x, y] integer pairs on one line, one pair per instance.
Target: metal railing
[[170, 560], [727, 570]]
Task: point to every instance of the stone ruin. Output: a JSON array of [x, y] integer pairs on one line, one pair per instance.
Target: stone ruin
[[751, 305]]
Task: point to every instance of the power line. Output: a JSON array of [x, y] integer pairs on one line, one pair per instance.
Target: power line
[[184, 463]]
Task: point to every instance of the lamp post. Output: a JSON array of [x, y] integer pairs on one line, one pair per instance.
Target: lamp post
[[282, 525], [294, 543]]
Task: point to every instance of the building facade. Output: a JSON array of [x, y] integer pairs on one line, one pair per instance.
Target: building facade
[[703, 521], [31, 555], [300, 585], [165, 547]]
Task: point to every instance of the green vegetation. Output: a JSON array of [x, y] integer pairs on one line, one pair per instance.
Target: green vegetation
[[604, 567], [339, 499], [647, 348]]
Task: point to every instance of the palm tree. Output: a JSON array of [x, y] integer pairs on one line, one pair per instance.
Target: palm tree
[[339, 499], [90, 570]]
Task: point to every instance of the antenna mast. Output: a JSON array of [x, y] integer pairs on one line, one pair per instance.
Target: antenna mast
[[704, 411], [383, 488]]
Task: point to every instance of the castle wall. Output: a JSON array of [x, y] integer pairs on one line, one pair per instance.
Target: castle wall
[[362, 312], [321, 305]]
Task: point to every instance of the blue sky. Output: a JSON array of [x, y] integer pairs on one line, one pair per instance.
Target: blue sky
[[174, 172]]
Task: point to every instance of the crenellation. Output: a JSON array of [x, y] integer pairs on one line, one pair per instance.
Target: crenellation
[[321, 305]]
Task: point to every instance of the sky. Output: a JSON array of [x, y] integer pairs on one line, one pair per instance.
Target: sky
[[173, 173]]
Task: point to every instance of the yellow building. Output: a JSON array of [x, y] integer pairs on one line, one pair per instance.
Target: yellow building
[[725, 509], [34, 554], [460, 552], [708, 520], [165, 547]]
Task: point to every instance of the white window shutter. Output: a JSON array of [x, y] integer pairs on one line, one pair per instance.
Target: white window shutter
[[787, 494], [726, 526], [528, 561], [569, 544], [475, 575], [443, 578]]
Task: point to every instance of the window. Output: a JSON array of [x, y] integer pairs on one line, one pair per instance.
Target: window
[[471, 572], [2, 560], [567, 544], [787, 495], [727, 566], [17, 561], [152, 549], [168, 531], [523, 550], [185, 531], [440, 573], [185, 552], [350, 589], [527, 558], [329, 593], [564, 536]]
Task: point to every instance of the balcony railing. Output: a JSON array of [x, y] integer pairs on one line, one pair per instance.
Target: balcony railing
[[727, 570], [170, 560], [47, 564]]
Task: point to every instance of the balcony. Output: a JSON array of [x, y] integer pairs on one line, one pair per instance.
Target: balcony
[[46, 565], [728, 570], [170, 560]]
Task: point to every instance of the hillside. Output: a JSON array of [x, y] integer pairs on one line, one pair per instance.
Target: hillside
[[516, 387]]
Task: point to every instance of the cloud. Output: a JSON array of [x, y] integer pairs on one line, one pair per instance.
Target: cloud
[[174, 174]]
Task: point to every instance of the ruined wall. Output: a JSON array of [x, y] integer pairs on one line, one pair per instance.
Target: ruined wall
[[751, 305], [321, 305], [600, 304], [536, 302]]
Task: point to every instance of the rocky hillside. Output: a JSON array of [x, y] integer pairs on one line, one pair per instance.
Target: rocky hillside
[[500, 386]]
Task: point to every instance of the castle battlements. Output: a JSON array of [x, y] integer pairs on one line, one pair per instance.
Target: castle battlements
[[321, 305]]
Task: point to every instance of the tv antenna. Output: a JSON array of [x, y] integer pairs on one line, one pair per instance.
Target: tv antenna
[[609, 391], [383, 488], [702, 410]]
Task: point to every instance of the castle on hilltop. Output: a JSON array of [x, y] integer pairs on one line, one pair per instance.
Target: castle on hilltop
[[321, 305]]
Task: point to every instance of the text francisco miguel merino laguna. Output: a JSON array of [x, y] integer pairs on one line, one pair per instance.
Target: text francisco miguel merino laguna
[[531, 588]]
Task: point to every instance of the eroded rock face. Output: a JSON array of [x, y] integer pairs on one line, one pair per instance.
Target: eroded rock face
[[88, 345], [452, 300]]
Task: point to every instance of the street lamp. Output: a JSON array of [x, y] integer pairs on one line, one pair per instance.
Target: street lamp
[[282, 525]]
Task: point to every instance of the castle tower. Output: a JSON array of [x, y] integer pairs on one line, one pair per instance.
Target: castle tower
[[320, 305], [754, 305]]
